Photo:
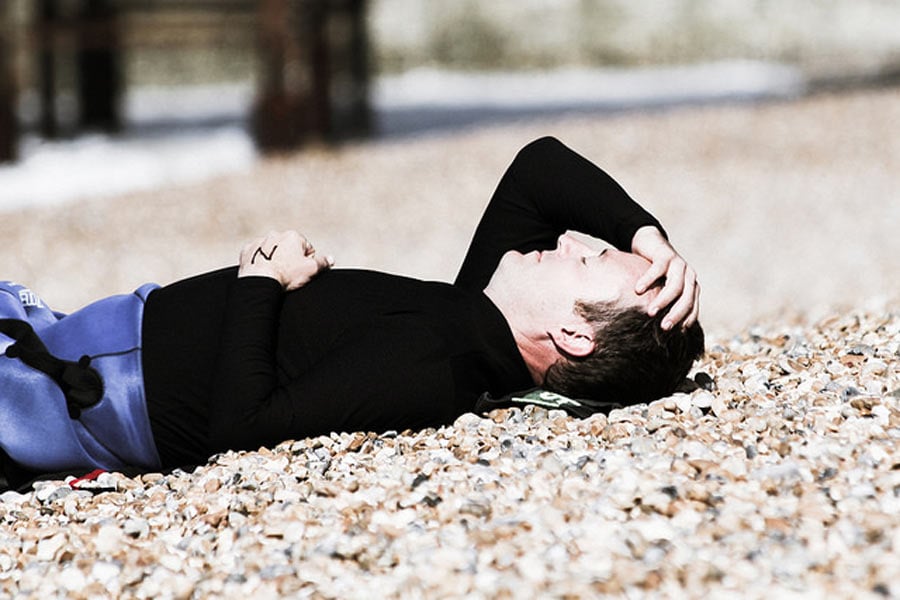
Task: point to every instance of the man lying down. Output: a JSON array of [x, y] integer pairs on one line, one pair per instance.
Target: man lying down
[[283, 346]]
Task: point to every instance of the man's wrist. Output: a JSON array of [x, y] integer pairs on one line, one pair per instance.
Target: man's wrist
[[262, 270]]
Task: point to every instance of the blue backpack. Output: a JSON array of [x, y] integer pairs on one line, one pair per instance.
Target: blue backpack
[[72, 386]]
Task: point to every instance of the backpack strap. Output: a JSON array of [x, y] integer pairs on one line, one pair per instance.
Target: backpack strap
[[81, 384], [576, 407]]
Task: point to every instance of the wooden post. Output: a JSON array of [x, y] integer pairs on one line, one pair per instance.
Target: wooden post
[[314, 27], [350, 109], [47, 17], [284, 114], [99, 72], [314, 81], [361, 121], [9, 129]]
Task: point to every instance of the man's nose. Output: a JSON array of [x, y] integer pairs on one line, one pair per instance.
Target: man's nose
[[567, 245]]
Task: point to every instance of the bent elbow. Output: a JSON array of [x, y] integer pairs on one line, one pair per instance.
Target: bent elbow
[[539, 148]]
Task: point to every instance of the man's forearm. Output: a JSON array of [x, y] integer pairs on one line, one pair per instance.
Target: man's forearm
[[571, 192]]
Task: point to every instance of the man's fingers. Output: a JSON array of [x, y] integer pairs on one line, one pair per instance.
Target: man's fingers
[[653, 272], [309, 268], [671, 290], [680, 292], [318, 263], [695, 310], [323, 262], [306, 246], [681, 310]]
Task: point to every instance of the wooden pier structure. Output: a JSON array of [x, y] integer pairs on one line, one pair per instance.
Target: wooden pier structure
[[310, 56]]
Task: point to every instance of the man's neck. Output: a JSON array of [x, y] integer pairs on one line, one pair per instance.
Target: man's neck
[[534, 355], [537, 353]]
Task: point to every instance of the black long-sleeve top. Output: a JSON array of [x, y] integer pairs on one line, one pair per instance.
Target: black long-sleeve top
[[237, 363]]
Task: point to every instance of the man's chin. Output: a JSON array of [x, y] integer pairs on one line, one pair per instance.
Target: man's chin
[[511, 258]]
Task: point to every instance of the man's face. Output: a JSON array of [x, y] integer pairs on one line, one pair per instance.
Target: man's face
[[546, 285]]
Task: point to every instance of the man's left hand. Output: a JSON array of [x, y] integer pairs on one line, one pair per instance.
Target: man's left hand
[[681, 286], [285, 256]]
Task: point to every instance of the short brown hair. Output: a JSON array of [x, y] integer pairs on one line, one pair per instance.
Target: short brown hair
[[634, 360]]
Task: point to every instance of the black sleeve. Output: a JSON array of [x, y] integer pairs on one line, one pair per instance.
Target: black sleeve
[[245, 372], [375, 380], [547, 190]]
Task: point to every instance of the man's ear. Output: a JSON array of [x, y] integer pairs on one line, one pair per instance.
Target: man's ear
[[574, 341]]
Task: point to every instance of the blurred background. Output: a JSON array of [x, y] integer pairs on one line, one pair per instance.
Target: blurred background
[[145, 139]]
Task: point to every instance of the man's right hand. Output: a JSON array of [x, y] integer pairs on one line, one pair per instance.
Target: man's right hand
[[285, 256], [681, 289]]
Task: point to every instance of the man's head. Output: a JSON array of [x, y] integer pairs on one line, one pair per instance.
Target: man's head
[[582, 329], [634, 359]]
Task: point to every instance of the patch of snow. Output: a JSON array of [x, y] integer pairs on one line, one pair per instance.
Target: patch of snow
[[599, 87], [102, 165]]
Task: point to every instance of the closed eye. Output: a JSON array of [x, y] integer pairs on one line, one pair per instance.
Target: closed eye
[[584, 258]]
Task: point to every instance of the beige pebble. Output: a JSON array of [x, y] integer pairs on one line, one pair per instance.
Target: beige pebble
[[702, 399], [48, 548], [718, 406], [108, 539]]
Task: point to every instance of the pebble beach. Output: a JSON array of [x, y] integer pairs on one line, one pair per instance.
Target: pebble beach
[[774, 473]]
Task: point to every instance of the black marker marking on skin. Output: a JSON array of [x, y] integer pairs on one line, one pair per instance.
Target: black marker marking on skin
[[259, 252]]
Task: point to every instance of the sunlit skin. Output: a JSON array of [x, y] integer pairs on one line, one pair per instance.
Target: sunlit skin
[[537, 292], [552, 280]]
